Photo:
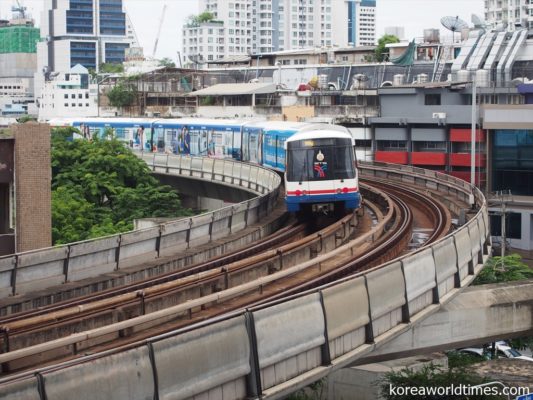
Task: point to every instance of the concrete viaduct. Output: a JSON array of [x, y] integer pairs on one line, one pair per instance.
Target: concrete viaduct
[[418, 303]]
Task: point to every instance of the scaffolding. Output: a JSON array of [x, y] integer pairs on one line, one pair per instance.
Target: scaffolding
[[19, 39]]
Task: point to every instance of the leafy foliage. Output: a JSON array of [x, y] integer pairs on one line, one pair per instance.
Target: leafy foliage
[[510, 268], [107, 68], [381, 52], [167, 62], [100, 186], [507, 269], [458, 360], [194, 20], [121, 96], [429, 376], [25, 118]]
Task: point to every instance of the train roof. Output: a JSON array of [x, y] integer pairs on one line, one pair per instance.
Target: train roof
[[320, 134]]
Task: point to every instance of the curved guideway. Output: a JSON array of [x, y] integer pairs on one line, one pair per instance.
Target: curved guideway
[[322, 326]]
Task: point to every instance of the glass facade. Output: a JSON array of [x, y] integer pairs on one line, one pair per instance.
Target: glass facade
[[80, 17], [112, 19], [512, 161], [114, 52], [83, 53]]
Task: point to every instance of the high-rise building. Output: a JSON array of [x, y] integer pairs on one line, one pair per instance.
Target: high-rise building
[[362, 22], [514, 14], [86, 32], [18, 63], [263, 26]]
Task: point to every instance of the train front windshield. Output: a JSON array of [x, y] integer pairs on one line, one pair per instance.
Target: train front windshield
[[320, 159]]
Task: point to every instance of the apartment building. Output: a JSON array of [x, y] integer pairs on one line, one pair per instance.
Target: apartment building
[[263, 26], [511, 14]]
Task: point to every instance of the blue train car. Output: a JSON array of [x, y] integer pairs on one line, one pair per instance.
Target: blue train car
[[202, 137]]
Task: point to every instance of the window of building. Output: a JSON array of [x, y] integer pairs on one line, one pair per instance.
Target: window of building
[[513, 225], [432, 99]]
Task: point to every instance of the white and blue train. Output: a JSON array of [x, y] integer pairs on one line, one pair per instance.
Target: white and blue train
[[318, 160]]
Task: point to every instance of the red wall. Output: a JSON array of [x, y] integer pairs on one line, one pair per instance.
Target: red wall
[[464, 135], [396, 157], [428, 158], [463, 160]]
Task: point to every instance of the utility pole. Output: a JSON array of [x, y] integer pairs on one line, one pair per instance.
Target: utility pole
[[503, 196]]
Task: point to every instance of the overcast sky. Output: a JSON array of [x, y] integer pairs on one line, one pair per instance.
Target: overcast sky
[[413, 15]]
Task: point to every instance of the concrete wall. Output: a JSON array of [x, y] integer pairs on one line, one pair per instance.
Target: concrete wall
[[18, 65], [35, 270], [33, 176], [408, 104]]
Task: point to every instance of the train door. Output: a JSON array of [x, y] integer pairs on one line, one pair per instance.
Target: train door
[[194, 140], [269, 149], [236, 152], [252, 145]]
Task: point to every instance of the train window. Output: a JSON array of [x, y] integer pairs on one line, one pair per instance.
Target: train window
[[320, 162]]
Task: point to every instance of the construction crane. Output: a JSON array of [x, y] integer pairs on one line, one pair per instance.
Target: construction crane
[[20, 9], [159, 29]]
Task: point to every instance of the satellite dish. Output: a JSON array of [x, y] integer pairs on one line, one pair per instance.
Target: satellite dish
[[453, 24], [477, 21]]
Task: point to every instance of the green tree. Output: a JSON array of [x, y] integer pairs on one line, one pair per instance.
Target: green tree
[[510, 268], [100, 186], [381, 52], [167, 62], [206, 16], [194, 20], [108, 68], [25, 118], [121, 96], [507, 269]]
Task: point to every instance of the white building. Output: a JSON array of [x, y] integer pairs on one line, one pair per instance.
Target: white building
[[69, 94], [361, 22], [204, 42], [511, 13], [84, 32], [264, 26]]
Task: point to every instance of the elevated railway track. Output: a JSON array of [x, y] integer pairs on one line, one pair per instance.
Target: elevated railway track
[[246, 290]]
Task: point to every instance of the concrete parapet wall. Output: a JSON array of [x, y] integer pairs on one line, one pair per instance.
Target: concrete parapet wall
[[40, 269], [274, 349]]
